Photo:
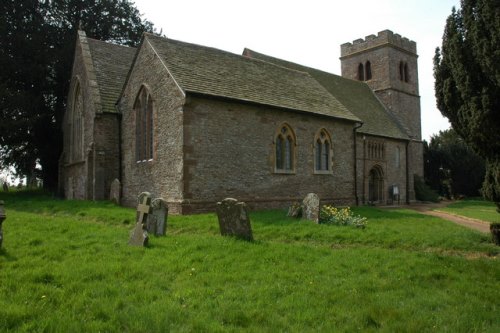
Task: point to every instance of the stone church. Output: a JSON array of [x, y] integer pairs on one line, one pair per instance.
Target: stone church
[[195, 124]]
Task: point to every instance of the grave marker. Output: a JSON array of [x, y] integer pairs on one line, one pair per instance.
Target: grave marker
[[157, 219], [310, 207], [139, 236], [234, 219]]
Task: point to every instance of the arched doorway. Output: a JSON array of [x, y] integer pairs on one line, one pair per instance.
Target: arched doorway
[[376, 185]]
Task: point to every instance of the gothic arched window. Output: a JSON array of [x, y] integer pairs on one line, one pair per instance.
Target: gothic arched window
[[407, 75], [401, 71], [322, 151], [284, 142], [361, 72], [368, 70], [143, 108], [76, 136]]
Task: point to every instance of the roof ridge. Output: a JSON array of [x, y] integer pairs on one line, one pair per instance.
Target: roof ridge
[[297, 64], [110, 43], [236, 55]]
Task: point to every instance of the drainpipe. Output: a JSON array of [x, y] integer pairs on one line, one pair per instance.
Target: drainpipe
[[354, 134], [407, 174]]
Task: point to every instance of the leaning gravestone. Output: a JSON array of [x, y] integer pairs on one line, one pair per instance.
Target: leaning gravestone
[[139, 236], [234, 219], [157, 219], [310, 207], [295, 210], [114, 192]]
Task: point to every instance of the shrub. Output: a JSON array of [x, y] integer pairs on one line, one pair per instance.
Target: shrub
[[423, 192], [342, 216]]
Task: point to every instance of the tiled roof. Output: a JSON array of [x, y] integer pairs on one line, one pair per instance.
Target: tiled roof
[[111, 64], [356, 96], [209, 71]]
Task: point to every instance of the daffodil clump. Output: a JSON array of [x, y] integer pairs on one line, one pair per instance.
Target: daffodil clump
[[341, 216]]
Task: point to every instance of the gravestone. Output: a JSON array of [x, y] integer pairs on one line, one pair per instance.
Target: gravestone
[[114, 192], [310, 207], [295, 210], [157, 219], [234, 219], [2, 218], [139, 236]]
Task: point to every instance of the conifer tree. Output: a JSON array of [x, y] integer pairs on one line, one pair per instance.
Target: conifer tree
[[37, 41], [467, 73]]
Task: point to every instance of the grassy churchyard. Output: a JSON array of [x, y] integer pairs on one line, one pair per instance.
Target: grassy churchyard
[[65, 266]]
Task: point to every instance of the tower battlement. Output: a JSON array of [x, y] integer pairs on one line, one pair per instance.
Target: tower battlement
[[383, 38]]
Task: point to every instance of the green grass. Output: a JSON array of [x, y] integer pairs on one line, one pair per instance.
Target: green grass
[[477, 209], [65, 266]]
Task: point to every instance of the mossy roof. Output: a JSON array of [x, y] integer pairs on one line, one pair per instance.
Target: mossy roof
[[209, 71], [111, 64], [356, 96]]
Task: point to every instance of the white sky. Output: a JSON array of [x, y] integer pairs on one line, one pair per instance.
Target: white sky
[[309, 32]]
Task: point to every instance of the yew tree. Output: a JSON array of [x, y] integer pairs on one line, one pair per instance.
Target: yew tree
[[37, 41], [467, 86]]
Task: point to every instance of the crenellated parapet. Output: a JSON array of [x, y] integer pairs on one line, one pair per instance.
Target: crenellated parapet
[[382, 39]]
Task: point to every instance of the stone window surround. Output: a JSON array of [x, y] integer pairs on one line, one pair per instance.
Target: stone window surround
[[147, 132], [76, 125], [326, 138], [404, 75], [289, 133], [365, 71]]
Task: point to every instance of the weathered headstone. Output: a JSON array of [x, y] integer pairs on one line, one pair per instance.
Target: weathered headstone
[[310, 207], [139, 236], [157, 219], [234, 219], [114, 192], [295, 210], [2, 218]]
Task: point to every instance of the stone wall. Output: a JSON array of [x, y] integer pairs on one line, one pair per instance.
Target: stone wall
[[75, 173], [229, 152], [107, 153], [394, 171], [163, 175]]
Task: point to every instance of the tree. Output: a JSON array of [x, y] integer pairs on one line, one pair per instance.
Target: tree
[[451, 167], [467, 73], [37, 40]]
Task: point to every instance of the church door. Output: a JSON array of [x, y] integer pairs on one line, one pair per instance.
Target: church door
[[376, 185]]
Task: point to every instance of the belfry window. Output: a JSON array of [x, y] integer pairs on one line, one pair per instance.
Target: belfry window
[[361, 72], [143, 109], [368, 70], [322, 151], [284, 143], [404, 74]]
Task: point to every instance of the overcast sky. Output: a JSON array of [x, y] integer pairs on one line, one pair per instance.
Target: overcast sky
[[309, 32]]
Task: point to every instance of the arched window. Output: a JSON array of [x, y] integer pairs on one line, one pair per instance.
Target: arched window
[[322, 151], [76, 136], [284, 142], [361, 72], [401, 71], [368, 70], [407, 76], [143, 109]]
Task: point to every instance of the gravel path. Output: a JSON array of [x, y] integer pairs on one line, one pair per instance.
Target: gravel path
[[433, 210]]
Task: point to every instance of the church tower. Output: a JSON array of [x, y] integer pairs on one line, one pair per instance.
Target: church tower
[[387, 63]]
